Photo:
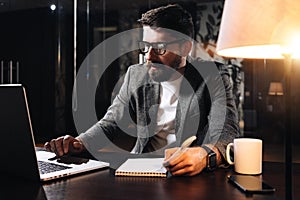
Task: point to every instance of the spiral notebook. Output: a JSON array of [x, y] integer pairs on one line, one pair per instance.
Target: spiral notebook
[[151, 167]]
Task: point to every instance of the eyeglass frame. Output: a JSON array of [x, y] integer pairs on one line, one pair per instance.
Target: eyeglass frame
[[164, 48]]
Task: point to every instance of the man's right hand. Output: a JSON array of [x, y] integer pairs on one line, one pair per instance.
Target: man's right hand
[[64, 145]]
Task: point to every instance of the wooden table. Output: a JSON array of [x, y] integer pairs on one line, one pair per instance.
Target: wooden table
[[104, 185]]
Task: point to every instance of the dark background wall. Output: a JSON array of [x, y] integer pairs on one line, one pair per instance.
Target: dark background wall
[[29, 37], [41, 41]]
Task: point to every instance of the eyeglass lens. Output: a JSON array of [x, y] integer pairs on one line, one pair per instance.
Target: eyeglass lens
[[159, 48]]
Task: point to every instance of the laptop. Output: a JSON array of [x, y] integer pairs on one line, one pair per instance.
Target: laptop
[[19, 155]]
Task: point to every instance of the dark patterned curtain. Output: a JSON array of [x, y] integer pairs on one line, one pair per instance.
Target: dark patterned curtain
[[207, 23]]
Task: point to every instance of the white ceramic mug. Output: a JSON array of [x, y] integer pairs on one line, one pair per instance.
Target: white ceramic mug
[[247, 155]]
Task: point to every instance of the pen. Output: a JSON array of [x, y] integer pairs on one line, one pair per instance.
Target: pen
[[183, 146]]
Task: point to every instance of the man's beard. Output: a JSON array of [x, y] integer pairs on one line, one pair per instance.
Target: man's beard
[[162, 72]]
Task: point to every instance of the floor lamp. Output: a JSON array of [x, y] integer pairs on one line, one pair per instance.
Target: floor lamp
[[264, 29]]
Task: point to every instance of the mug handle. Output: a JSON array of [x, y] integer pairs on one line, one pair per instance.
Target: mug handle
[[228, 154]]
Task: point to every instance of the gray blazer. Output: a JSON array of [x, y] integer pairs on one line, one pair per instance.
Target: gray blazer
[[206, 108]]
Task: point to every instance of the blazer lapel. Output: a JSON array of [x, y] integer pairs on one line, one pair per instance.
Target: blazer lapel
[[189, 85], [147, 111]]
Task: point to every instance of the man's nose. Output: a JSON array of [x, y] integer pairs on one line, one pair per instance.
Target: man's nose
[[150, 55]]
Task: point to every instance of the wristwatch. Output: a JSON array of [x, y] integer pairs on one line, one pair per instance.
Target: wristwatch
[[211, 158]]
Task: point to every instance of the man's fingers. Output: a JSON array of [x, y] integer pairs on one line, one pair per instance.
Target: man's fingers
[[169, 152], [77, 145], [63, 145], [66, 143], [47, 146], [52, 145], [58, 146]]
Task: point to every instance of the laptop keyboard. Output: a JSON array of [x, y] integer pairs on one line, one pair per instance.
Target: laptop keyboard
[[46, 167]]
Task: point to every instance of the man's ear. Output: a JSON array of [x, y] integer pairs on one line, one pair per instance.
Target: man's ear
[[186, 48]]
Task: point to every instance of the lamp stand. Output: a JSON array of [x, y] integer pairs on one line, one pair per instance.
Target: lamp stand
[[288, 133]]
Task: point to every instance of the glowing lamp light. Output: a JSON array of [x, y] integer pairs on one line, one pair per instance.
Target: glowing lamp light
[[260, 29], [52, 7]]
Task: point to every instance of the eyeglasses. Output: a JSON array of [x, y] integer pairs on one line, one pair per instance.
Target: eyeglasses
[[159, 48]]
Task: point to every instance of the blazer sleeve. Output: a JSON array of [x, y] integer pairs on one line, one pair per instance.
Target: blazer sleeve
[[116, 120], [223, 116]]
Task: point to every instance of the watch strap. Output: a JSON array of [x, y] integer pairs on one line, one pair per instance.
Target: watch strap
[[207, 149], [211, 164]]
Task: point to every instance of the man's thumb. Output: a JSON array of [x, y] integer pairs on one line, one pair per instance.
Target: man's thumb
[[77, 145]]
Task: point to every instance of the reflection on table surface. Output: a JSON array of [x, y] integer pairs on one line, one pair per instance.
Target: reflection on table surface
[[102, 184]]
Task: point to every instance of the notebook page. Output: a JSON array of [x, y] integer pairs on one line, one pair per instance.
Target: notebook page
[[142, 167]]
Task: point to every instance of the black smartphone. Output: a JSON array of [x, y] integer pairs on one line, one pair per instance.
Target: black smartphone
[[250, 184]]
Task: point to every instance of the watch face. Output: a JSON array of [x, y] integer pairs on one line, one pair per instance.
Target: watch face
[[211, 158], [212, 161]]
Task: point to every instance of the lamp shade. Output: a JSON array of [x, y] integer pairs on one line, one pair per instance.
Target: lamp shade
[[275, 88], [259, 29]]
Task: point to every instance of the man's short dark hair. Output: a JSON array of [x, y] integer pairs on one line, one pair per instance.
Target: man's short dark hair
[[172, 17]]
